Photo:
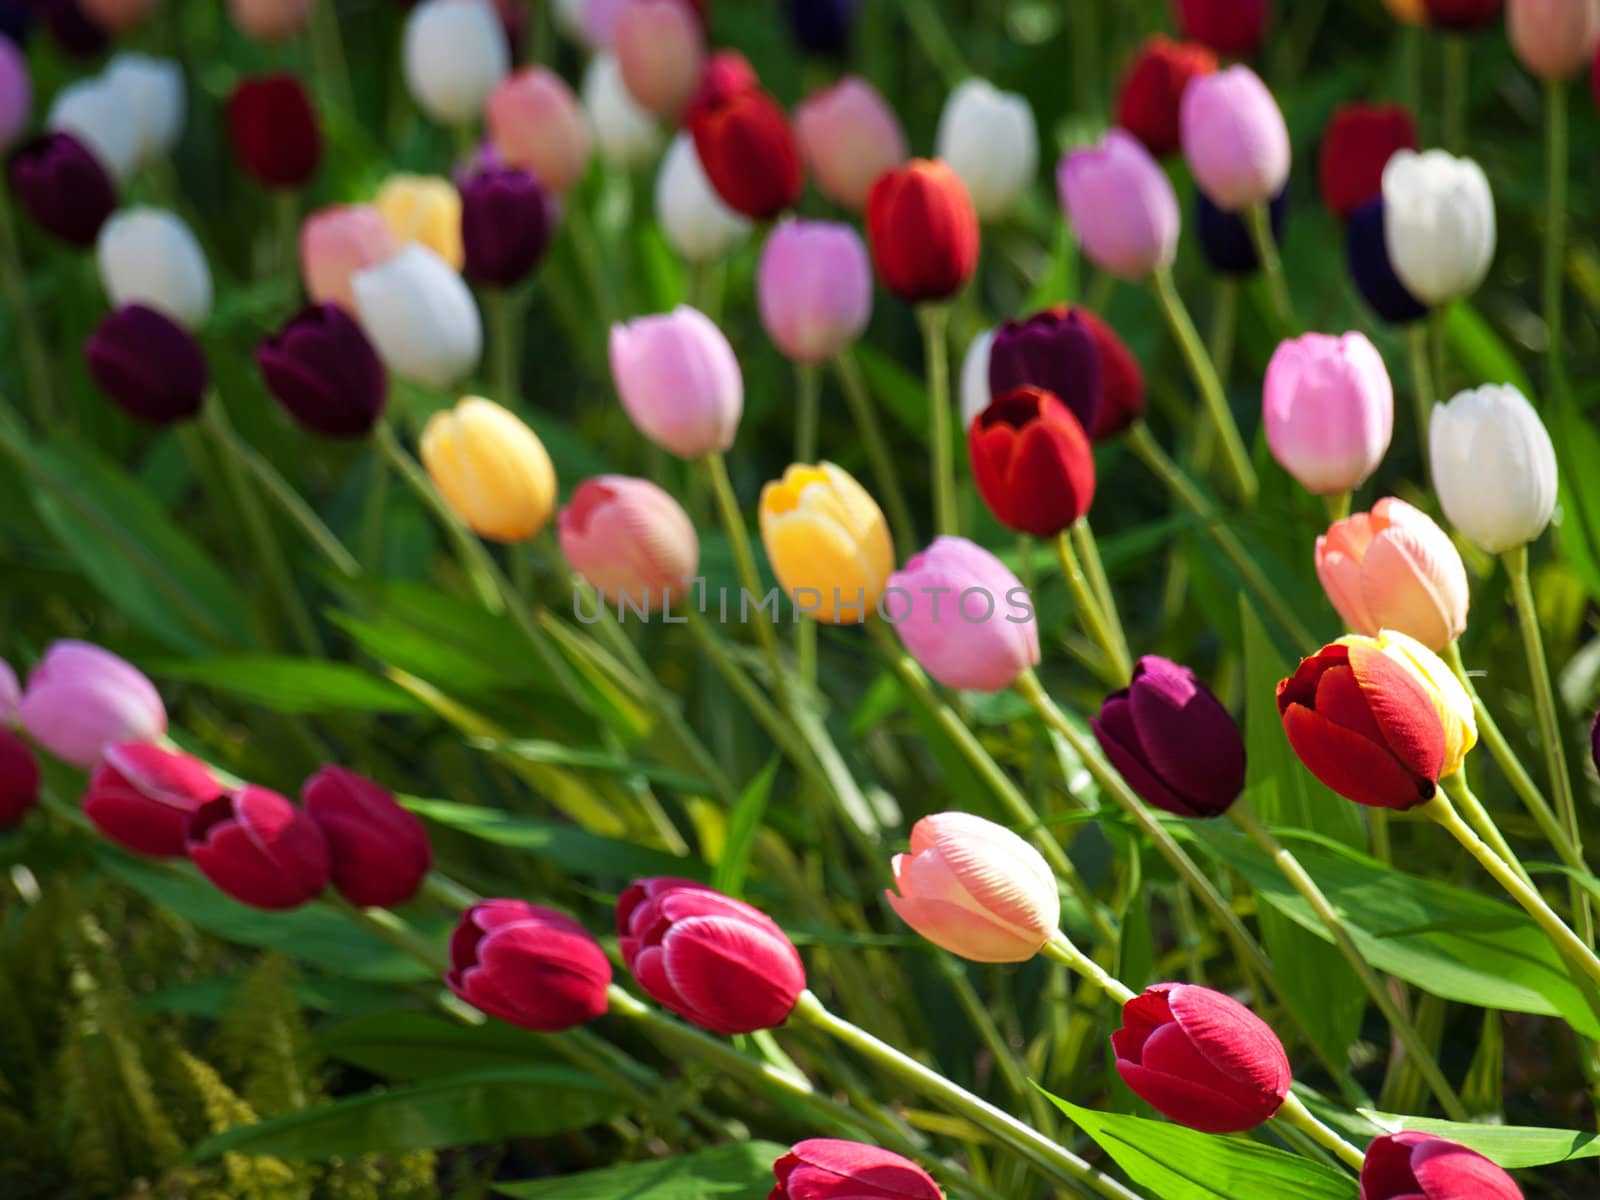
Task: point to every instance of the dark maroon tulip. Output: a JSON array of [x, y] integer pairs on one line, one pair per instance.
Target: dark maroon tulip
[[19, 779], [379, 851], [141, 797], [150, 366], [259, 849], [274, 131], [506, 225], [1052, 350], [1172, 740], [531, 966], [60, 184], [73, 29], [833, 1169], [1420, 1166], [325, 373]]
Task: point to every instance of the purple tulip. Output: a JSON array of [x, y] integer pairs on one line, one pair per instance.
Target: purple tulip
[[82, 698], [1234, 138], [325, 373], [814, 287], [507, 219], [63, 187], [1121, 205], [151, 367], [1172, 740], [1052, 350], [1367, 253]]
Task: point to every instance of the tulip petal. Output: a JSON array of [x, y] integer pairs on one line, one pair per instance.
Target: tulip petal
[[1446, 1170], [1189, 1103], [731, 974], [1404, 711], [1341, 700], [1350, 765], [1236, 1043], [971, 935]]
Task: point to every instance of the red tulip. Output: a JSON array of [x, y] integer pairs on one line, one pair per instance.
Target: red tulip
[[19, 779], [274, 131], [923, 231], [1420, 1166], [833, 1169], [1463, 14], [1031, 462], [379, 852], [259, 849], [1231, 27], [1121, 379], [745, 144], [1152, 87], [1359, 142], [528, 965], [142, 797]]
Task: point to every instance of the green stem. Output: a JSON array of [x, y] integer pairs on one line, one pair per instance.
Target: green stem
[[286, 215], [807, 417], [1224, 326], [749, 579], [1555, 234], [877, 448], [1094, 567], [929, 29], [1457, 57], [1258, 220], [1093, 620], [1292, 1112], [1422, 392], [1338, 505], [504, 308], [591, 262], [327, 53], [35, 361], [935, 322], [394, 930]]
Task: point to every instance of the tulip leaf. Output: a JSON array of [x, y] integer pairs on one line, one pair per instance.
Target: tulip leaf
[[738, 1171], [1512, 1146], [295, 686], [1479, 348], [744, 822], [421, 1045], [897, 390], [555, 754], [1578, 517]]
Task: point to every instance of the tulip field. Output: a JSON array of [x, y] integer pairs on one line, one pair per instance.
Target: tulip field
[[809, 599]]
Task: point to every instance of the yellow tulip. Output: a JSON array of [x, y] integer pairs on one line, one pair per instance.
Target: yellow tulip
[[827, 541], [1408, 12], [1450, 699], [425, 209], [491, 469]]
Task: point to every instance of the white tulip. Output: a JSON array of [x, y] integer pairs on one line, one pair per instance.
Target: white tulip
[[696, 221], [1438, 224], [626, 133], [153, 94], [420, 316], [989, 139], [455, 53], [95, 111], [1493, 467], [975, 396], [149, 256]]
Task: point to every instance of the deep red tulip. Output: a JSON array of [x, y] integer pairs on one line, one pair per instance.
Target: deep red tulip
[[923, 231], [19, 779], [748, 150], [325, 373], [1032, 463], [1231, 27], [148, 365], [728, 73], [378, 851], [1463, 14], [708, 957], [258, 848], [274, 131], [1121, 378], [833, 1169], [62, 186], [1201, 1058], [528, 965], [1152, 87], [1357, 145], [1420, 1166], [141, 797], [1054, 351]]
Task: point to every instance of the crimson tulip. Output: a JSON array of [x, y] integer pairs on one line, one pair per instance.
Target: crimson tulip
[[142, 797], [19, 779], [1358, 143], [274, 131], [259, 849], [527, 965], [923, 231], [1420, 1166], [1032, 463], [1152, 88], [747, 147], [378, 851]]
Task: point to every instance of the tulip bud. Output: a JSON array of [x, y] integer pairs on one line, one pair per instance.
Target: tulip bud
[[967, 619], [338, 242], [1054, 351], [988, 137], [529, 966], [148, 256], [152, 91], [660, 46], [1328, 408], [420, 317], [1170, 738], [1358, 144], [1393, 568], [536, 123], [749, 152], [147, 365], [506, 224], [693, 217], [141, 797], [1553, 39], [81, 698], [455, 54], [830, 1169], [626, 134], [1234, 28], [96, 112], [814, 288], [378, 851], [1152, 89], [1032, 463], [63, 187], [256, 847], [629, 539], [1420, 1166], [270, 20], [849, 136], [679, 381], [1201, 1058], [16, 94], [19, 779], [827, 541], [425, 209], [1439, 224], [1493, 467], [976, 889], [274, 131], [1121, 206], [1234, 138], [821, 27], [1367, 253], [326, 375], [709, 958], [923, 231], [1463, 15], [975, 394], [491, 469]]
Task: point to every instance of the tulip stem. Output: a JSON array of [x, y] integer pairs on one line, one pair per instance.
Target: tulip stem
[[1089, 613], [935, 322], [504, 307], [877, 448], [35, 362], [1061, 949], [1244, 816], [1338, 505], [327, 55], [1457, 57], [1259, 221], [1421, 389], [807, 415], [1204, 375], [1294, 1113], [749, 579], [1555, 234], [1089, 553], [393, 930]]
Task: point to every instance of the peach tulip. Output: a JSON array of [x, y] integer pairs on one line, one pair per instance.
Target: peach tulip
[[537, 123], [1394, 568]]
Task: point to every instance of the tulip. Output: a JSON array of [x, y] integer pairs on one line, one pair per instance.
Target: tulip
[[271, 20], [1450, 700], [821, 26], [491, 469], [326, 375], [1121, 206], [19, 779], [968, 620], [425, 209], [256, 847], [1463, 15], [1201, 1058], [1234, 28], [975, 394], [152, 90], [529, 966], [693, 217], [1367, 253], [506, 224], [629, 539], [455, 55], [1054, 351], [660, 47], [148, 365], [338, 242], [1393, 568], [141, 797], [814, 288], [537, 123], [976, 889], [1420, 1166], [831, 1169], [923, 230], [1364, 725], [1438, 223], [1234, 138], [420, 317], [81, 698], [679, 381], [749, 152], [10, 695], [1328, 408], [118, 17], [274, 131], [1359, 142], [148, 256], [63, 187], [1152, 89], [709, 958], [988, 137], [1170, 738], [728, 74], [626, 134], [591, 22], [1553, 39], [1225, 238], [96, 111], [827, 541], [16, 94], [1493, 467], [849, 136], [1032, 463], [377, 850]]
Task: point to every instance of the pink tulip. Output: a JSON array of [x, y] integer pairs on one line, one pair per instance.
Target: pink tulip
[[1394, 568], [117, 17], [679, 381], [1328, 406], [537, 124], [964, 616], [270, 20], [1234, 138], [339, 243], [1553, 39], [848, 137], [81, 698], [16, 93], [814, 288], [599, 20], [1122, 206], [661, 48], [630, 540]]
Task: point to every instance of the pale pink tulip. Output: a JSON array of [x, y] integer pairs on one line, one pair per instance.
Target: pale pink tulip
[[849, 136], [336, 244], [1328, 407], [537, 124]]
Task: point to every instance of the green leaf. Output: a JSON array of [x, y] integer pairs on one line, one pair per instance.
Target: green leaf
[[737, 1171], [461, 1110], [1479, 349], [320, 993], [743, 825], [1578, 457], [420, 1045], [896, 389], [295, 686], [1512, 1146], [555, 754]]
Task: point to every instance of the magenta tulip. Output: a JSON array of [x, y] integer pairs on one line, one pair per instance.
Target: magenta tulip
[[679, 381], [142, 797], [81, 698], [1234, 138], [1328, 407], [1121, 206], [814, 288]]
